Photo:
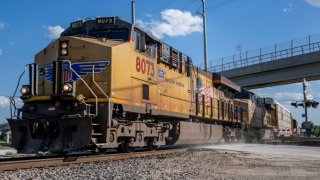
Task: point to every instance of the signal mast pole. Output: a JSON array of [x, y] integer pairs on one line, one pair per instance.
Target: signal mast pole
[[133, 18], [305, 99], [205, 35]]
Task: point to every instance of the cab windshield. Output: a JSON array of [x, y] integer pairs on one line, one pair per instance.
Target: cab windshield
[[120, 34]]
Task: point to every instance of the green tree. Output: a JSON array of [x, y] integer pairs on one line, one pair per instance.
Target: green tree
[[316, 131]]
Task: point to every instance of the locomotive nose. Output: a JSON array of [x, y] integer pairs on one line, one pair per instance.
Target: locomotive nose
[[59, 135]]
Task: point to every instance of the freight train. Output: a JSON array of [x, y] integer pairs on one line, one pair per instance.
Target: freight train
[[107, 84]]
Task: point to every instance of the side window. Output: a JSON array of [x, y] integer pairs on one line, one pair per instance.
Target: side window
[[140, 41], [146, 44], [184, 63], [199, 84], [145, 93], [138, 36]]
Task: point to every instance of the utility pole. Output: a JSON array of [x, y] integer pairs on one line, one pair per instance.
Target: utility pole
[[305, 100], [133, 18], [205, 35]]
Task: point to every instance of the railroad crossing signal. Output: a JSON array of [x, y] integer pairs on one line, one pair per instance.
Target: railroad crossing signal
[[307, 104]]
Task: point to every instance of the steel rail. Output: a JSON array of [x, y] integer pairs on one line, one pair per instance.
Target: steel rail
[[58, 161]]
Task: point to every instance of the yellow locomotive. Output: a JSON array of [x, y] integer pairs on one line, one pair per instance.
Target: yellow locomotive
[[108, 84]]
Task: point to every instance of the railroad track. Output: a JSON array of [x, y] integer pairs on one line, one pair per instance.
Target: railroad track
[[16, 163]]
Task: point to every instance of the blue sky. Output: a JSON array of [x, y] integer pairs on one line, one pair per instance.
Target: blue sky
[[28, 26]]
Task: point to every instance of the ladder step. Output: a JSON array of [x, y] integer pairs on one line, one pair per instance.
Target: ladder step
[[96, 134], [95, 124], [101, 144]]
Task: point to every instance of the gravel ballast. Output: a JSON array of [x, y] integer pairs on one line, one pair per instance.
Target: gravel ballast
[[193, 164]]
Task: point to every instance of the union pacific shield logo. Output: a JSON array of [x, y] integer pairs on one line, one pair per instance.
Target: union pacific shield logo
[[77, 70], [161, 75]]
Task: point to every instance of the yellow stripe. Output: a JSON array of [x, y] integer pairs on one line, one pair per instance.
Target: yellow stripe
[[115, 100], [91, 100], [38, 98]]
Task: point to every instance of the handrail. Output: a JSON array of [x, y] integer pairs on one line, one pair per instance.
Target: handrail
[[93, 72], [70, 67], [271, 56], [12, 101], [109, 106]]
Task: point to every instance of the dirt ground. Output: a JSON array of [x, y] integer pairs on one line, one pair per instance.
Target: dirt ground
[[252, 161]]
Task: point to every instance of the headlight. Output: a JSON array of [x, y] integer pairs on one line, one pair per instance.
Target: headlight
[[67, 88], [25, 90], [64, 45], [64, 52]]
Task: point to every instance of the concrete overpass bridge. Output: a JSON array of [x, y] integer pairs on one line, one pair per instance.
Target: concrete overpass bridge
[[280, 64]]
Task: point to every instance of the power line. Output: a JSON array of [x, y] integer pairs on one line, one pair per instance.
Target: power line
[[221, 4]]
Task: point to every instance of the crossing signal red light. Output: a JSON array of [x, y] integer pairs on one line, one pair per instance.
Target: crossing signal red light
[[315, 104]]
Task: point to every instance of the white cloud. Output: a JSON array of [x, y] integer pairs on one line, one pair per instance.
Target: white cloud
[[54, 31], [2, 25], [174, 23], [296, 84], [0, 51], [149, 15], [288, 9], [289, 96], [315, 3], [262, 94], [19, 102], [4, 102]]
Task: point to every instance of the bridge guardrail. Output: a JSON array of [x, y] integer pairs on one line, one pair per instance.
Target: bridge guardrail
[[271, 53]]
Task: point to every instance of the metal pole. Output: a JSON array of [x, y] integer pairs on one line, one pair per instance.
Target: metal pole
[[305, 100], [275, 52], [133, 18], [205, 35], [8, 137], [291, 48], [309, 42]]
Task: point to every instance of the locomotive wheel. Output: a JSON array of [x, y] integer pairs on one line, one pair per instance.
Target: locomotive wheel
[[152, 147], [125, 148]]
